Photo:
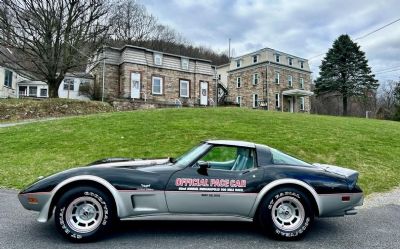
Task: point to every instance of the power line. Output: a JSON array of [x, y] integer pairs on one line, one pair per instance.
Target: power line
[[376, 30], [386, 69], [390, 71], [363, 36]]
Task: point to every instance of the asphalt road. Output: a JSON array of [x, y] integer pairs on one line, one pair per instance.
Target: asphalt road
[[374, 227]]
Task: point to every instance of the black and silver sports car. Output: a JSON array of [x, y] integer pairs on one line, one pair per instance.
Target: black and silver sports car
[[216, 180]]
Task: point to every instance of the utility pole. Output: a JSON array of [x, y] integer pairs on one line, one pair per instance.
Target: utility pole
[[104, 68]]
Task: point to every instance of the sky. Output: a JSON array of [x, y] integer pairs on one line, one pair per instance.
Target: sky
[[303, 28]]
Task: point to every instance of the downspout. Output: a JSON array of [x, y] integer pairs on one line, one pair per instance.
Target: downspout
[[266, 85], [216, 86]]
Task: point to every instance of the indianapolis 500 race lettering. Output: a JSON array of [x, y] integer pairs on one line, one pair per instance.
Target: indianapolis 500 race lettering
[[203, 184]]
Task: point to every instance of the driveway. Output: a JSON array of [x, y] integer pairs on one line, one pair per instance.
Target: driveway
[[376, 226]]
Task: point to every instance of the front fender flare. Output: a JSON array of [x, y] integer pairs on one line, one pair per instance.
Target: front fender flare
[[121, 209]]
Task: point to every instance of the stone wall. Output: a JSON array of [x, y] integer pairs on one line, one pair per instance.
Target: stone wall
[[266, 87], [118, 83], [111, 80]]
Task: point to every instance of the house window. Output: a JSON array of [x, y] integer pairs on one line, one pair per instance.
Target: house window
[[185, 64], [277, 100], [301, 64], [302, 103], [238, 63], [158, 59], [43, 92], [255, 100], [255, 79], [33, 91], [255, 58], [290, 81], [239, 100], [8, 78], [157, 85], [290, 61], [68, 84], [277, 57], [238, 82], [219, 77], [184, 88], [276, 77], [301, 83]]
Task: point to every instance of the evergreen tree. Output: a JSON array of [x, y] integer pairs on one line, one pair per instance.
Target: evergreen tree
[[345, 70], [397, 100]]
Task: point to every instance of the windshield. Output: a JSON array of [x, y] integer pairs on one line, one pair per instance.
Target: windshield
[[281, 158], [191, 155]]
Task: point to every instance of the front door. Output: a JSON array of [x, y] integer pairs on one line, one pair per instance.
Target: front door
[[135, 85], [224, 181], [291, 104], [203, 93]]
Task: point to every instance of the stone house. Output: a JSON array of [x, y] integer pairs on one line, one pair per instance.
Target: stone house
[[142, 74], [268, 79]]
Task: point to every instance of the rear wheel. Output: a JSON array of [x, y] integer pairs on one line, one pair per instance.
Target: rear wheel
[[84, 213], [286, 214]]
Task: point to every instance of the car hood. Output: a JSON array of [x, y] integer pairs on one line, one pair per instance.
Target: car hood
[[139, 164], [125, 174]]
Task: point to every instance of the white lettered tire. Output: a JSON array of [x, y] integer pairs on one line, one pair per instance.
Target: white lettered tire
[[84, 213], [286, 214]]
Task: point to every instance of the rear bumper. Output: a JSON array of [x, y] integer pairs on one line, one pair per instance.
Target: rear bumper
[[331, 205]]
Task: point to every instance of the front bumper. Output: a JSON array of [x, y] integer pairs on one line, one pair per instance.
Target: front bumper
[[331, 205], [34, 201]]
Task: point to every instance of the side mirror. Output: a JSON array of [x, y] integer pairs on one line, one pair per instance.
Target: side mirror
[[203, 166]]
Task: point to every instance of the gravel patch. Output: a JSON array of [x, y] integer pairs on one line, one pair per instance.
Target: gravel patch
[[382, 199]]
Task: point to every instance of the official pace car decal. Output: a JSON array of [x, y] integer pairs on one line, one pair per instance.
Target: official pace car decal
[[205, 184]]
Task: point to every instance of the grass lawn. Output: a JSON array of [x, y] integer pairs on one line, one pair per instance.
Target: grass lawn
[[370, 146]]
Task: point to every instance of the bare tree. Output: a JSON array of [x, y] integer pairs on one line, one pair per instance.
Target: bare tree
[[386, 94], [52, 37], [130, 21]]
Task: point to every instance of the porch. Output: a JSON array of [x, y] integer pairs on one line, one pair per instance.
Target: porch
[[294, 100]]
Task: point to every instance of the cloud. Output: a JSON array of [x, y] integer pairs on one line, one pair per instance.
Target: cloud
[[303, 28]]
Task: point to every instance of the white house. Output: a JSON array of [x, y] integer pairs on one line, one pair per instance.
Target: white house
[[69, 87], [32, 88], [16, 84], [8, 83]]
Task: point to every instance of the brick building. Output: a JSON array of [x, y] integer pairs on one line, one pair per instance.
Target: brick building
[[142, 74], [268, 79]]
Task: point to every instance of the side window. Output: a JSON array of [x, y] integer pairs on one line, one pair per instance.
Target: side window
[[229, 158]]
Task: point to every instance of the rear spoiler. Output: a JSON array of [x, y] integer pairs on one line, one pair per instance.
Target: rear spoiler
[[350, 175]]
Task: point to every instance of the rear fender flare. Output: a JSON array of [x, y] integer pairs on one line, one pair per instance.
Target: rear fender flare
[[265, 190]]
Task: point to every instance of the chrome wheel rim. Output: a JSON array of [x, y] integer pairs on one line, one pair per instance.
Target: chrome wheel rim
[[288, 213], [84, 214]]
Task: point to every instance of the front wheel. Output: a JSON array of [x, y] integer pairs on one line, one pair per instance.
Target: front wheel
[[286, 214], [84, 213]]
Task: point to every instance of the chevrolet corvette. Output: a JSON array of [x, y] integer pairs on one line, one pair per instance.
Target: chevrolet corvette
[[216, 180]]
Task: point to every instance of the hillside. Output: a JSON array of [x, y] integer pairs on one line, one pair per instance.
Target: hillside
[[20, 109], [369, 146]]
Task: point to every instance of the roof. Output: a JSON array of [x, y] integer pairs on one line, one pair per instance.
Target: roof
[[155, 51], [232, 143], [82, 75], [297, 92], [31, 82], [270, 49]]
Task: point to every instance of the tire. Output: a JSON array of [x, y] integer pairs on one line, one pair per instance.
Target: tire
[[84, 214], [286, 214]]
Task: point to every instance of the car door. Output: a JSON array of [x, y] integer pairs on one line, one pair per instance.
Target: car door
[[222, 181]]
